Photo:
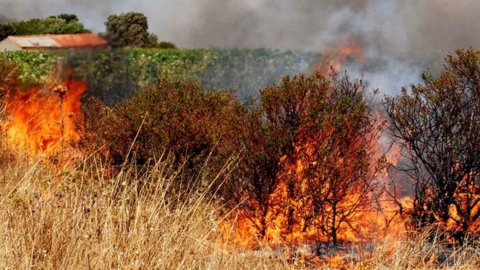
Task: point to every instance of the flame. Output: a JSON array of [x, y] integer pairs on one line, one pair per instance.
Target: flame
[[376, 221], [44, 121], [379, 219], [337, 54]]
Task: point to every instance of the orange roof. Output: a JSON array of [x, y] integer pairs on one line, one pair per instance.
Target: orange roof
[[59, 41], [79, 40]]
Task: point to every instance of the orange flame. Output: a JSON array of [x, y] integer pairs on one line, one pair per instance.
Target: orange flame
[[336, 55], [45, 121], [380, 220]]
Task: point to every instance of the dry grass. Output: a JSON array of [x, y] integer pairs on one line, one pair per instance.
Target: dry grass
[[89, 221], [84, 219], [423, 252]]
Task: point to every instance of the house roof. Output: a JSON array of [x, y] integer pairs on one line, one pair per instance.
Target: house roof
[[34, 41], [79, 40], [59, 41]]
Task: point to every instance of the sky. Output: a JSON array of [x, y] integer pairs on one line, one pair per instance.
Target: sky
[[396, 33]]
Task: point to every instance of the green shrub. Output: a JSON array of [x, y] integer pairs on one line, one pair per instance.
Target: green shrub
[[166, 45]]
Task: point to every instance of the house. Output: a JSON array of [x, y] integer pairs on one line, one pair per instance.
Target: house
[[53, 42]]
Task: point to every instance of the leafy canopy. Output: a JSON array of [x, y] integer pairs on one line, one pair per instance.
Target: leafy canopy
[[129, 29], [61, 24]]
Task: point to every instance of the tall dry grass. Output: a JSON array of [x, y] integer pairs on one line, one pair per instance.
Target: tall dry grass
[[425, 252], [82, 219], [85, 218]]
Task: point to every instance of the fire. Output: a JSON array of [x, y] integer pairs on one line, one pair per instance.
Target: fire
[[372, 222], [336, 55], [372, 215], [44, 121]]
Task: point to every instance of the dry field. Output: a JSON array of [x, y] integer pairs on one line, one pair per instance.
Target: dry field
[[84, 218]]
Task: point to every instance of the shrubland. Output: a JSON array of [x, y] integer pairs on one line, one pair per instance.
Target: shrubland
[[171, 176]]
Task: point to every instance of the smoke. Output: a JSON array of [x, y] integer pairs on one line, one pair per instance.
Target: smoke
[[399, 35]]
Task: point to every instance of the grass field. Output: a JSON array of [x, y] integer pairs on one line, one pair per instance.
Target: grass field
[[87, 218]]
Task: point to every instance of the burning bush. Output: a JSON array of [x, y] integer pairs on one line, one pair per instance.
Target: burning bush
[[437, 124], [307, 174]]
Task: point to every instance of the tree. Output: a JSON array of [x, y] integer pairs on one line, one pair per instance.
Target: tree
[[309, 139], [6, 30], [169, 116], [61, 24], [68, 17], [331, 175], [437, 124], [267, 136], [129, 29], [166, 45]]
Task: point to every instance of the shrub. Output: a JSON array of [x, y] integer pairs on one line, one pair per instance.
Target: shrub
[[174, 116], [437, 124], [166, 45], [328, 127]]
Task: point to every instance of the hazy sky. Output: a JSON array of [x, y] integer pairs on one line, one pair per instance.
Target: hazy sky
[[403, 27]]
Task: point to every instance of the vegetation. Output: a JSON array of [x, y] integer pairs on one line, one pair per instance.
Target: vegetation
[[167, 166], [129, 220], [179, 117], [437, 124], [9, 73], [85, 218], [115, 75], [61, 24], [6, 30], [131, 30], [335, 141], [271, 136], [166, 45]]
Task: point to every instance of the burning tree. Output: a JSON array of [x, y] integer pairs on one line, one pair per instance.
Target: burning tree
[[330, 176], [307, 172], [437, 124], [267, 135]]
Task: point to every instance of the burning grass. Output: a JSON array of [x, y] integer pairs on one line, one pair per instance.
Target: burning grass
[[92, 222], [133, 221], [44, 120]]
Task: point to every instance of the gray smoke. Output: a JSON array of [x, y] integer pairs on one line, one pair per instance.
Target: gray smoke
[[399, 35]]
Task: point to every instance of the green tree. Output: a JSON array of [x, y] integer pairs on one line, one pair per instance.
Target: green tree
[[129, 29], [62, 24], [6, 30], [166, 45], [68, 17]]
